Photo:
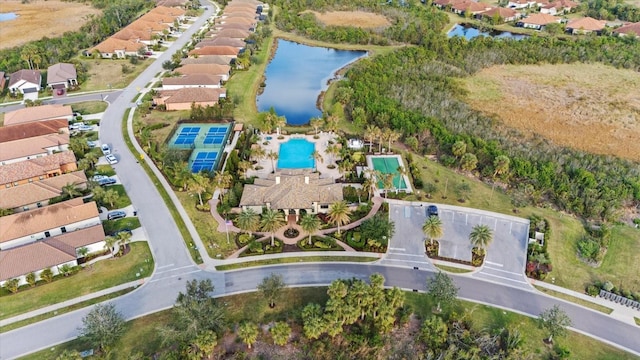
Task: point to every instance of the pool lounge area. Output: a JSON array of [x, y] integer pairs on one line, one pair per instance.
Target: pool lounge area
[[388, 164], [207, 142]]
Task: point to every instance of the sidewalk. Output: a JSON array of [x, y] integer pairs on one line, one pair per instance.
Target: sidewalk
[[620, 312], [64, 304]]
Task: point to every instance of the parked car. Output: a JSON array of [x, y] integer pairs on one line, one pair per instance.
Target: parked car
[[60, 92], [111, 159], [106, 150], [118, 214], [99, 177], [107, 181], [92, 144], [76, 125], [432, 210], [85, 128]]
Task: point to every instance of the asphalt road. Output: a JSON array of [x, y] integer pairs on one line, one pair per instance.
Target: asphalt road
[[107, 95], [174, 266]]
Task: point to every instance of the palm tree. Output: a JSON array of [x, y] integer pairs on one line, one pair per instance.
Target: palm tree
[[258, 153], [110, 196], [339, 214], [459, 148], [199, 184], [124, 238], [378, 136], [248, 332], [387, 180], [468, 162], [316, 123], [310, 224], [92, 158], [83, 251], [370, 133], [501, 164], [222, 181], [315, 155], [332, 150], [392, 136], [481, 236], [249, 221], [370, 186], [70, 191], [272, 220], [181, 174], [84, 164], [432, 228], [110, 242], [273, 156], [345, 167], [244, 166]]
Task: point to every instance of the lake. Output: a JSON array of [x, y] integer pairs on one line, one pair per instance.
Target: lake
[[469, 32], [8, 16], [297, 75]]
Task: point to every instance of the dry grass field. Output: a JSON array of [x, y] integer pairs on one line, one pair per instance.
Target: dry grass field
[[591, 107], [39, 18], [352, 18]]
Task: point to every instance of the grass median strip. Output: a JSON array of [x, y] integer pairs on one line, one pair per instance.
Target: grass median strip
[[575, 300], [67, 309], [182, 227], [137, 264], [452, 269], [289, 260]]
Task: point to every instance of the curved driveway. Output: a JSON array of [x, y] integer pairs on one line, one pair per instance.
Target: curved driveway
[[174, 265]]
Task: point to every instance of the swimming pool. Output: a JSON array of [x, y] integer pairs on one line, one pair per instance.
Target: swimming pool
[[389, 165], [296, 154]]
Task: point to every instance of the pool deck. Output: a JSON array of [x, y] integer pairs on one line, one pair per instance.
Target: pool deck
[[399, 158], [320, 145]]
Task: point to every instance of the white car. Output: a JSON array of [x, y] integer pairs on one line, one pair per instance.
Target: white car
[[111, 159], [85, 128], [106, 150], [97, 178]]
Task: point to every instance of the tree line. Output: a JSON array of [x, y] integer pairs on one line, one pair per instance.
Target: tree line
[[47, 51]]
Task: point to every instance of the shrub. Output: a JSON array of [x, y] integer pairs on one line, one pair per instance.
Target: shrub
[[593, 290], [12, 285], [244, 239], [47, 275], [256, 247], [31, 279], [589, 248]]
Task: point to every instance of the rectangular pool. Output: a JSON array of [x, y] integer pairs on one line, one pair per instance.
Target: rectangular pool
[[296, 154]]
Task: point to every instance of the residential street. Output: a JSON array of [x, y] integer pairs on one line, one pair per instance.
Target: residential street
[[174, 265]]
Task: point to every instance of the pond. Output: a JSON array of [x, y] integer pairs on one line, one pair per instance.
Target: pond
[[297, 75], [469, 32], [8, 16]]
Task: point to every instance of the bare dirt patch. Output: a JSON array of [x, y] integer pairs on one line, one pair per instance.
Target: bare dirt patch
[[38, 18], [359, 19], [591, 107]]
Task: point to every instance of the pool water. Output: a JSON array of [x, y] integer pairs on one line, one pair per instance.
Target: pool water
[[8, 16], [296, 154], [389, 165]]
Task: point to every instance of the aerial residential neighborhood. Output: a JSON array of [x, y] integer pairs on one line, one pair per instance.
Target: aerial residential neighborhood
[[189, 179]]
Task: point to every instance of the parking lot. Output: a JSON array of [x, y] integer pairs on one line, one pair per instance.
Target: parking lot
[[506, 255]]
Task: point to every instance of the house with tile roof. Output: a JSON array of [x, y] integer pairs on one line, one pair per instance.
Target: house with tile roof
[[37, 194], [135, 35], [585, 25], [243, 21], [631, 29], [469, 7], [215, 50], [118, 49], [32, 147], [167, 10], [291, 191], [38, 113], [222, 41], [42, 223], [238, 26], [210, 59], [230, 33], [171, 3], [27, 171], [224, 71], [25, 81], [538, 21], [38, 128], [503, 14], [182, 99], [62, 76], [192, 81], [53, 253], [521, 4], [239, 14]]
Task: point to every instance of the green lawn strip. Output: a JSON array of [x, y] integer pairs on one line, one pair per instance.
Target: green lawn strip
[[101, 275], [637, 320], [142, 334], [214, 241], [123, 199], [106, 170], [452, 269], [186, 236], [90, 107], [111, 226], [80, 305], [300, 259], [575, 300]]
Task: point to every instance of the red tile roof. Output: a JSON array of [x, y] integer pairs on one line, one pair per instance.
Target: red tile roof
[[22, 131], [37, 113], [215, 50], [35, 167], [587, 23], [629, 29]]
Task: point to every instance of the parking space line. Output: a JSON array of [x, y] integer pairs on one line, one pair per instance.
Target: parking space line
[[506, 278], [399, 249], [492, 263], [408, 261], [504, 271], [402, 254]]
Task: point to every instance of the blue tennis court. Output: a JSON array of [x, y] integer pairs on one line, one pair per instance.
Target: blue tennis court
[[203, 160], [187, 135], [215, 136], [205, 140]]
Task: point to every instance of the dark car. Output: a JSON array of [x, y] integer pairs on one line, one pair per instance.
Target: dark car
[[106, 181], [432, 210], [118, 214]]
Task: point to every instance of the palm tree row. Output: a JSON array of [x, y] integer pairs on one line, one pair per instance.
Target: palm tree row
[[481, 236], [373, 133]]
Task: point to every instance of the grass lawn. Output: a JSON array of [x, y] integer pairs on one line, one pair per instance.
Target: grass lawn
[[123, 200], [101, 275], [159, 117], [105, 74], [206, 225], [110, 226], [452, 269], [300, 259], [576, 300], [105, 170], [90, 107], [142, 335]]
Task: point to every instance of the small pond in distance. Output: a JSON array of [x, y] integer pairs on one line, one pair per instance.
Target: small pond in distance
[[295, 77], [8, 16], [469, 32]]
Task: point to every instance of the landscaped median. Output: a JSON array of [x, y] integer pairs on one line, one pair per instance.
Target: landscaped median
[[137, 264]]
